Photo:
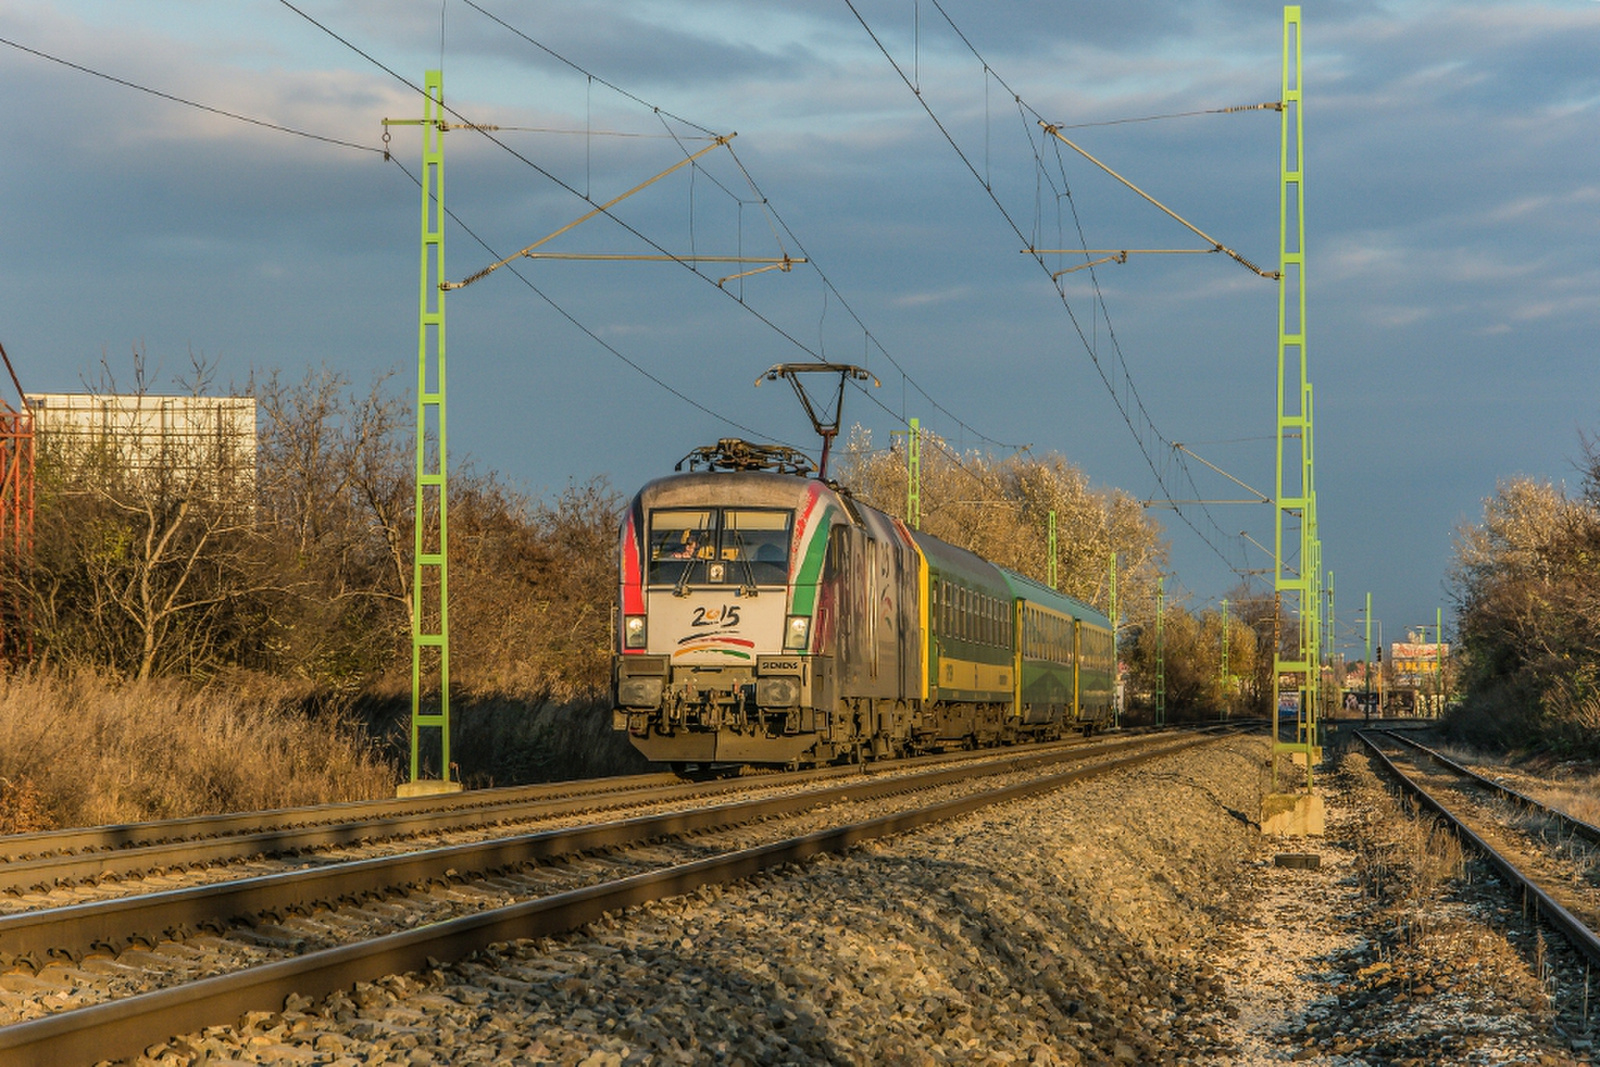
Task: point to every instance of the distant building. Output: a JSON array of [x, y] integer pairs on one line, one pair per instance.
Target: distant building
[[177, 442]]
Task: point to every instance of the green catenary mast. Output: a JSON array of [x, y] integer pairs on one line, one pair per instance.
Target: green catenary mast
[[1161, 651], [914, 476], [430, 584], [1295, 510]]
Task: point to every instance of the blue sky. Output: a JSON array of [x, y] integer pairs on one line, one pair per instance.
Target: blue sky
[[1453, 218]]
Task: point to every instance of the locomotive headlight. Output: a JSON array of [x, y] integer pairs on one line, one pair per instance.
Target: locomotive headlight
[[633, 631], [796, 633]]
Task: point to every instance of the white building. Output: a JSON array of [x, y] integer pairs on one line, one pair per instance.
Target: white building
[[171, 440]]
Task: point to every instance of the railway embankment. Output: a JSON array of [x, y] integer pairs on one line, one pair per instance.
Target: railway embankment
[[1135, 918]]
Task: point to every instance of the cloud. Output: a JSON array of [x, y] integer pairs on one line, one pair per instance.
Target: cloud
[[1392, 317], [924, 299]]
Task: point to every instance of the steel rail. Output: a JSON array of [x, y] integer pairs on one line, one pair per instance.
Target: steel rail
[[126, 1027], [1570, 926], [110, 925], [366, 821], [48, 843], [1583, 829], [45, 843], [22, 875]]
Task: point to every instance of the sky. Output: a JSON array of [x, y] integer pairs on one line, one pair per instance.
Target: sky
[[1451, 177]]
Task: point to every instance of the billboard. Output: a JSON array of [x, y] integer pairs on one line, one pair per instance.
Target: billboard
[[1288, 703], [1416, 666]]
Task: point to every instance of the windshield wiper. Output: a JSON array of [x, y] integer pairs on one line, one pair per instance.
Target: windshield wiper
[[749, 586], [681, 586]]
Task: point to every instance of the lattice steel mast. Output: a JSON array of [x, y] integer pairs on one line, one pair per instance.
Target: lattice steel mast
[[430, 555], [1295, 513]]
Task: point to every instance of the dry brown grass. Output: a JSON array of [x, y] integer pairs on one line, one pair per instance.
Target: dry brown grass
[[1568, 787], [1579, 801], [22, 809], [79, 751]]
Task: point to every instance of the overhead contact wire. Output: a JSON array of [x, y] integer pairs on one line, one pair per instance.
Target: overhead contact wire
[[188, 103], [1077, 324], [486, 132], [771, 214], [281, 128], [367, 148], [564, 313]]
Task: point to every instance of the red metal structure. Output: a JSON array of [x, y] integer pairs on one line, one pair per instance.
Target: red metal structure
[[16, 521]]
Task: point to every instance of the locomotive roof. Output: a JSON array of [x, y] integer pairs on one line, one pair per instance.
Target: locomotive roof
[[728, 487]]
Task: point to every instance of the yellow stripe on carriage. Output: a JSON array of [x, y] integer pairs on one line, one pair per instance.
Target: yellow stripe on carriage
[[924, 617], [965, 675]]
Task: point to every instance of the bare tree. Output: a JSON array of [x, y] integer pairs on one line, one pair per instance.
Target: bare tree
[[1526, 581], [336, 490], [531, 589]]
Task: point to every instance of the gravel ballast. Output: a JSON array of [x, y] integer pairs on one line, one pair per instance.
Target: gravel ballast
[[1137, 918]]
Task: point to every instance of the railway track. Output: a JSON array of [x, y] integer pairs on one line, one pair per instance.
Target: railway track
[[108, 978], [1551, 859], [74, 866]]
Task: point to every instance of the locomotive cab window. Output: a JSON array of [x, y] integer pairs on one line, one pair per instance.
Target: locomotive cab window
[[756, 543], [734, 546], [682, 540]]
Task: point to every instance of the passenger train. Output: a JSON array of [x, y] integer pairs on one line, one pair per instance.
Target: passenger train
[[767, 617]]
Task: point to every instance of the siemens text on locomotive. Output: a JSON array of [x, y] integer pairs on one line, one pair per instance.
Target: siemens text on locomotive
[[766, 617]]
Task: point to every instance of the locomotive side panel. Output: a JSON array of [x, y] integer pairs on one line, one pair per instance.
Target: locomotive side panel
[[875, 570]]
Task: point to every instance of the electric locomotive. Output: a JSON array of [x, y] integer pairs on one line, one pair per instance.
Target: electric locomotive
[[768, 617]]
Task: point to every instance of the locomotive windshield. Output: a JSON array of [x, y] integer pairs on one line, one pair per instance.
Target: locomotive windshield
[[734, 546]]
